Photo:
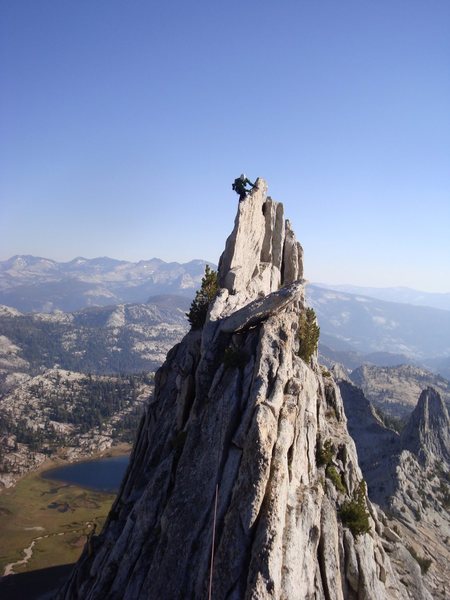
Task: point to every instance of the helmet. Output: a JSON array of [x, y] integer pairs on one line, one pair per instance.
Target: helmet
[[243, 176]]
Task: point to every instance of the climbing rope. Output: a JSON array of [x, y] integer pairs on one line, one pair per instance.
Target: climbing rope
[[215, 505], [213, 542]]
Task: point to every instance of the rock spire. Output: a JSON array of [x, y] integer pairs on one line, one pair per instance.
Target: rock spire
[[236, 411], [427, 433], [408, 475]]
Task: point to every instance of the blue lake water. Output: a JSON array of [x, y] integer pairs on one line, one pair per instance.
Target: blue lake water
[[103, 474]]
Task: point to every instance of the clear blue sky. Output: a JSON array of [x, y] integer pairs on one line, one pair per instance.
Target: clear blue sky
[[123, 124]]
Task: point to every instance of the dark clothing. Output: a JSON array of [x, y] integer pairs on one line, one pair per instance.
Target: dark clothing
[[239, 186]]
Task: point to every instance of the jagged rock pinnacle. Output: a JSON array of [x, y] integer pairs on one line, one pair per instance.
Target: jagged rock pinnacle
[[236, 418], [427, 433], [261, 254]]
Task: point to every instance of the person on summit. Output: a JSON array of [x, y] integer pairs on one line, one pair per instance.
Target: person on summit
[[239, 186]]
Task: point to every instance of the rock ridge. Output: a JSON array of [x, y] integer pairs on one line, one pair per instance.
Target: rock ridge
[[407, 475], [228, 449]]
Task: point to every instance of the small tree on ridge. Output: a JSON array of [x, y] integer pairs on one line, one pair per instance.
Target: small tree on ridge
[[203, 297], [308, 334]]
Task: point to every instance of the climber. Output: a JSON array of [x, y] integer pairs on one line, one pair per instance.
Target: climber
[[239, 186]]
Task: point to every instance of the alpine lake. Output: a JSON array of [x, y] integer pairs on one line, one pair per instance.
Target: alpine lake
[[46, 517], [102, 475]]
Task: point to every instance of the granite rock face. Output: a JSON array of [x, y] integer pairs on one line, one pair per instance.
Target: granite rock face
[[427, 433], [395, 389], [408, 475], [377, 445], [227, 451]]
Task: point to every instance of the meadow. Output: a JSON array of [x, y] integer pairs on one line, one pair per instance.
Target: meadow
[[57, 516]]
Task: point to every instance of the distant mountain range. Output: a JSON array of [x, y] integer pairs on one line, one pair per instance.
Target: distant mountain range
[[403, 295], [395, 390], [33, 284], [353, 326], [124, 338]]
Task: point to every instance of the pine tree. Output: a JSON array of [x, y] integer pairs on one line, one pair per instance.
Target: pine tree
[[353, 512], [308, 333], [206, 293]]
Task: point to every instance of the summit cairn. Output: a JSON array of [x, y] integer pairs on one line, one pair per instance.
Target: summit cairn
[[244, 481]]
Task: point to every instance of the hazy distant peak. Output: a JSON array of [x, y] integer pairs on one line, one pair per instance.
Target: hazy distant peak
[[22, 261], [34, 284], [400, 294], [427, 433]]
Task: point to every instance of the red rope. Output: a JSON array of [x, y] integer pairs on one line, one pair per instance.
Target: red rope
[[212, 545], [219, 448]]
